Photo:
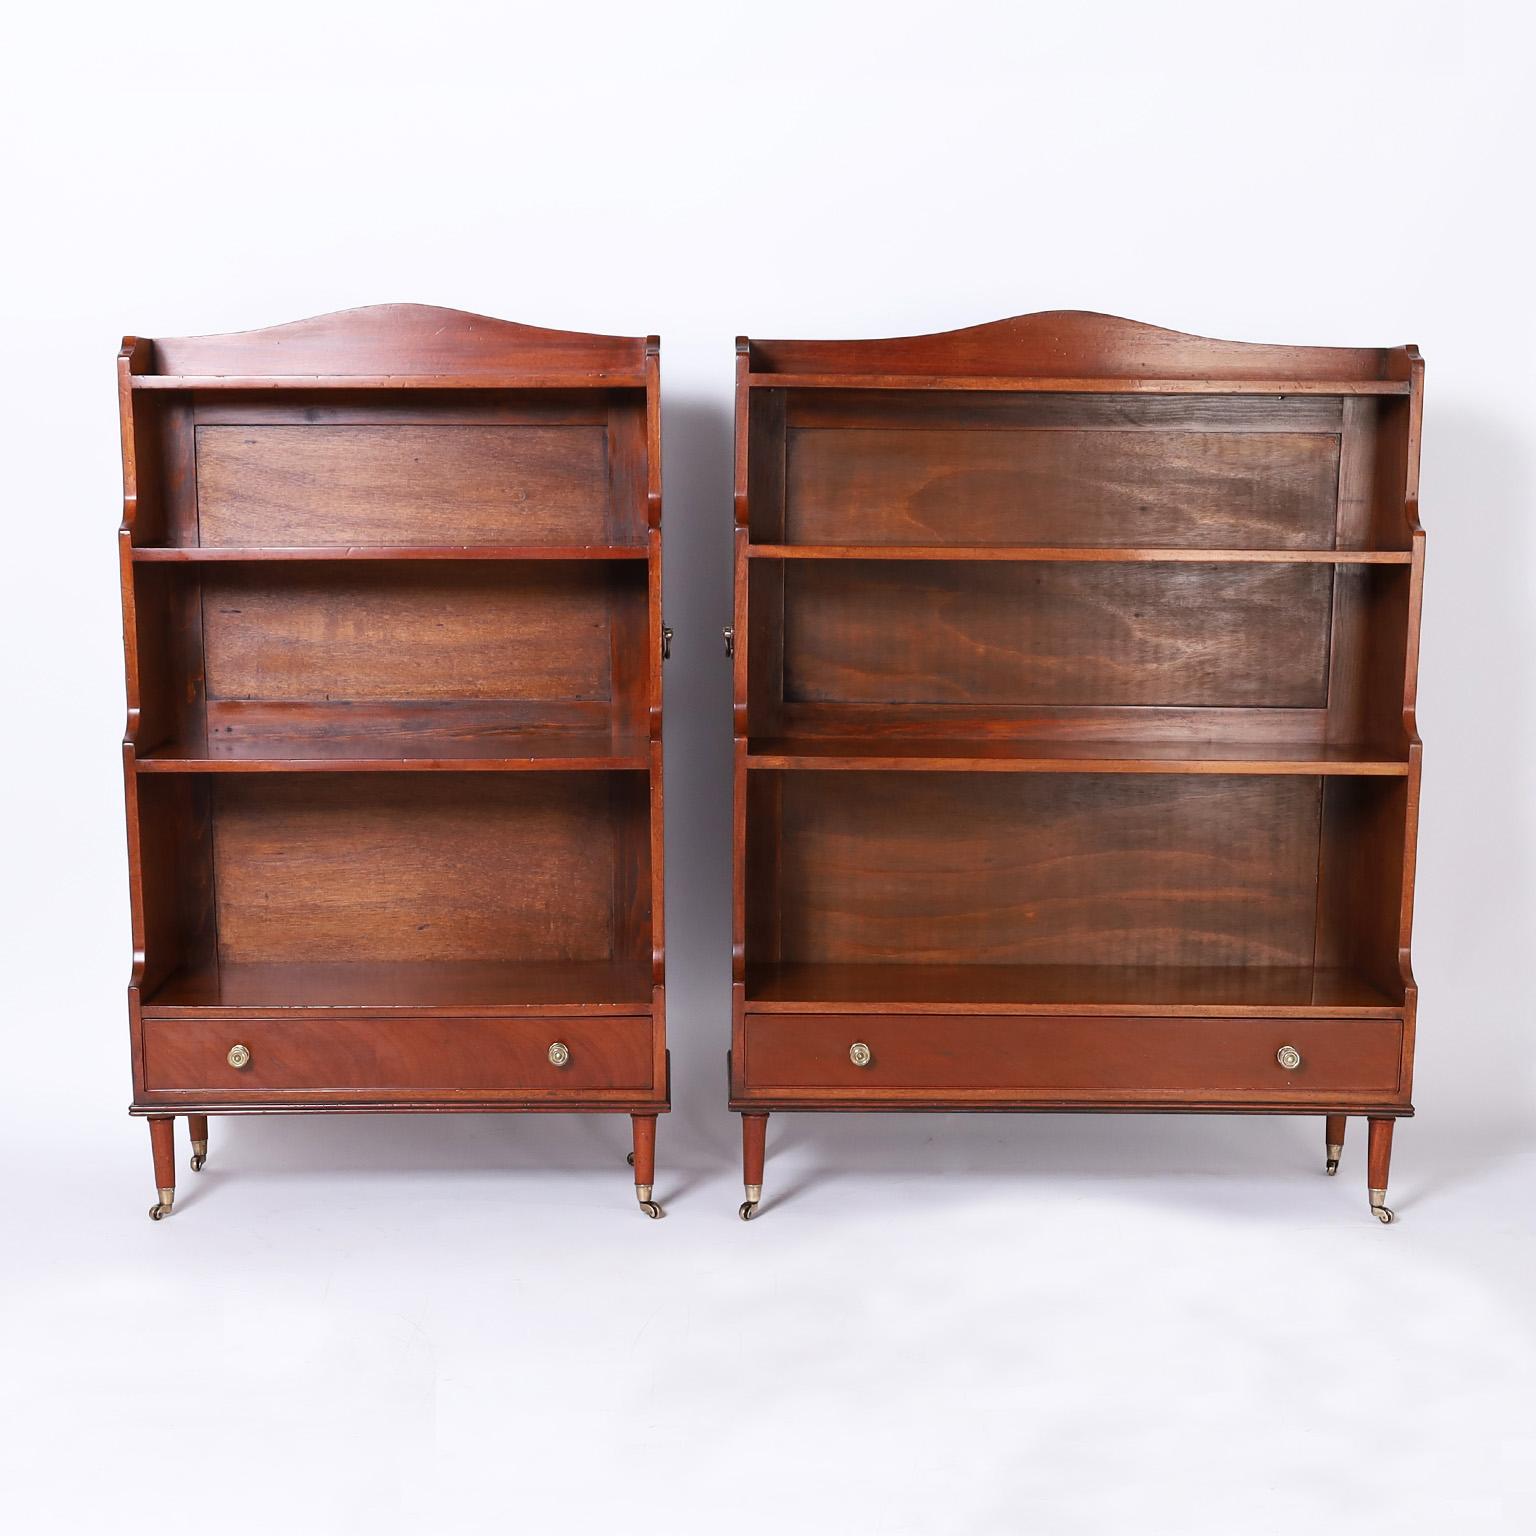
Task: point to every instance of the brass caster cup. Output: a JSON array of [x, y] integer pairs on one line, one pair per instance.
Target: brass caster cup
[[1335, 1152], [199, 1156], [649, 1206], [163, 1209], [1379, 1208], [748, 1207]]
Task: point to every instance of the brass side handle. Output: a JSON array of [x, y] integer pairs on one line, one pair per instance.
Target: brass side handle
[[559, 1053], [1288, 1057], [666, 642], [239, 1057], [860, 1054], [730, 639]]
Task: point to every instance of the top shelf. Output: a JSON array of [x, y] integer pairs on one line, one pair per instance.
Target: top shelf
[[203, 554], [1088, 553], [501, 381], [1095, 386]]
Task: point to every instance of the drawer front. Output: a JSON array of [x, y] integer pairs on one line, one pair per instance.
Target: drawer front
[[395, 1057], [1069, 1058]]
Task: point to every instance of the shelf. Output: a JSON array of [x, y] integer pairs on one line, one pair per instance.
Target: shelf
[[1079, 554], [1066, 755], [480, 987], [418, 751], [401, 381], [1191, 990], [1026, 384], [324, 552]]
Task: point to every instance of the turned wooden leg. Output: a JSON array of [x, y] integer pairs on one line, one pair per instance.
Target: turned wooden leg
[[645, 1162], [198, 1126], [1379, 1159], [162, 1141], [754, 1144], [1333, 1136]]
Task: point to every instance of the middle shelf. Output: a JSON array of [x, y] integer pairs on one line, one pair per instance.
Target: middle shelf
[[416, 739], [1072, 755]]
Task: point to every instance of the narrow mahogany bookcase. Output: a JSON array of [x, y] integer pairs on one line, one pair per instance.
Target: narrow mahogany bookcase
[[392, 611], [1075, 760]]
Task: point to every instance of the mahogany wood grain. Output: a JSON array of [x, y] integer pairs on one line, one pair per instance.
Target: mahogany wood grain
[[424, 867], [1170, 990], [1073, 698], [754, 1141], [441, 986], [1070, 1057], [1379, 1153], [412, 632], [384, 1057], [932, 486], [298, 485], [405, 341], [1056, 344], [391, 589], [643, 1128], [1017, 754], [1129, 870], [1023, 634], [313, 554], [162, 1142]]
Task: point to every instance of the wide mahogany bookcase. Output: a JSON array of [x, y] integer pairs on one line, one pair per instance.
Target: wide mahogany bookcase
[[391, 588], [1075, 756]]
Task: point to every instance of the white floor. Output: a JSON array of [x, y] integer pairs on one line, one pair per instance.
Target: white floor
[[980, 1324]]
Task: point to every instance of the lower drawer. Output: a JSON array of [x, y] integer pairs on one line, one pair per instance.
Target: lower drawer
[[1068, 1057], [380, 1057]]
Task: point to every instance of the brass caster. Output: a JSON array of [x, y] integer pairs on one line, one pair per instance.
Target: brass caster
[[1380, 1209], [748, 1207], [160, 1211], [630, 1159], [649, 1206], [199, 1156], [1335, 1152]]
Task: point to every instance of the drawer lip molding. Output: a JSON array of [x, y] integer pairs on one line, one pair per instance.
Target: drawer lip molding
[[1065, 1060], [395, 1060]]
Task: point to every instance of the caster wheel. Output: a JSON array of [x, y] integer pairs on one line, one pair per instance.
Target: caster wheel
[[196, 1165], [1384, 1215], [651, 1209], [1333, 1166], [630, 1159], [159, 1212], [747, 1210]]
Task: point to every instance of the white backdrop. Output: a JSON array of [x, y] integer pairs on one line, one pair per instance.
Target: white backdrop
[[947, 1324]]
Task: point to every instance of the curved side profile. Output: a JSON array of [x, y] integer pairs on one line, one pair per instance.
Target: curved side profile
[[391, 587], [1076, 766]]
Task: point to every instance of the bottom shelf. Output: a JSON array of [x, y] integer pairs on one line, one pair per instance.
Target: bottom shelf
[[484, 986], [830, 987]]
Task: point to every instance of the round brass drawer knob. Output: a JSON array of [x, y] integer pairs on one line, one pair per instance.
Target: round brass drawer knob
[[860, 1054], [239, 1056], [1288, 1057], [559, 1054]]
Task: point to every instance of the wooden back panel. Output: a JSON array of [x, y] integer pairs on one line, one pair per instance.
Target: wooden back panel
[[427, 867], [1064, 469], [1153, 869], [431, 630], [1020, 633]]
